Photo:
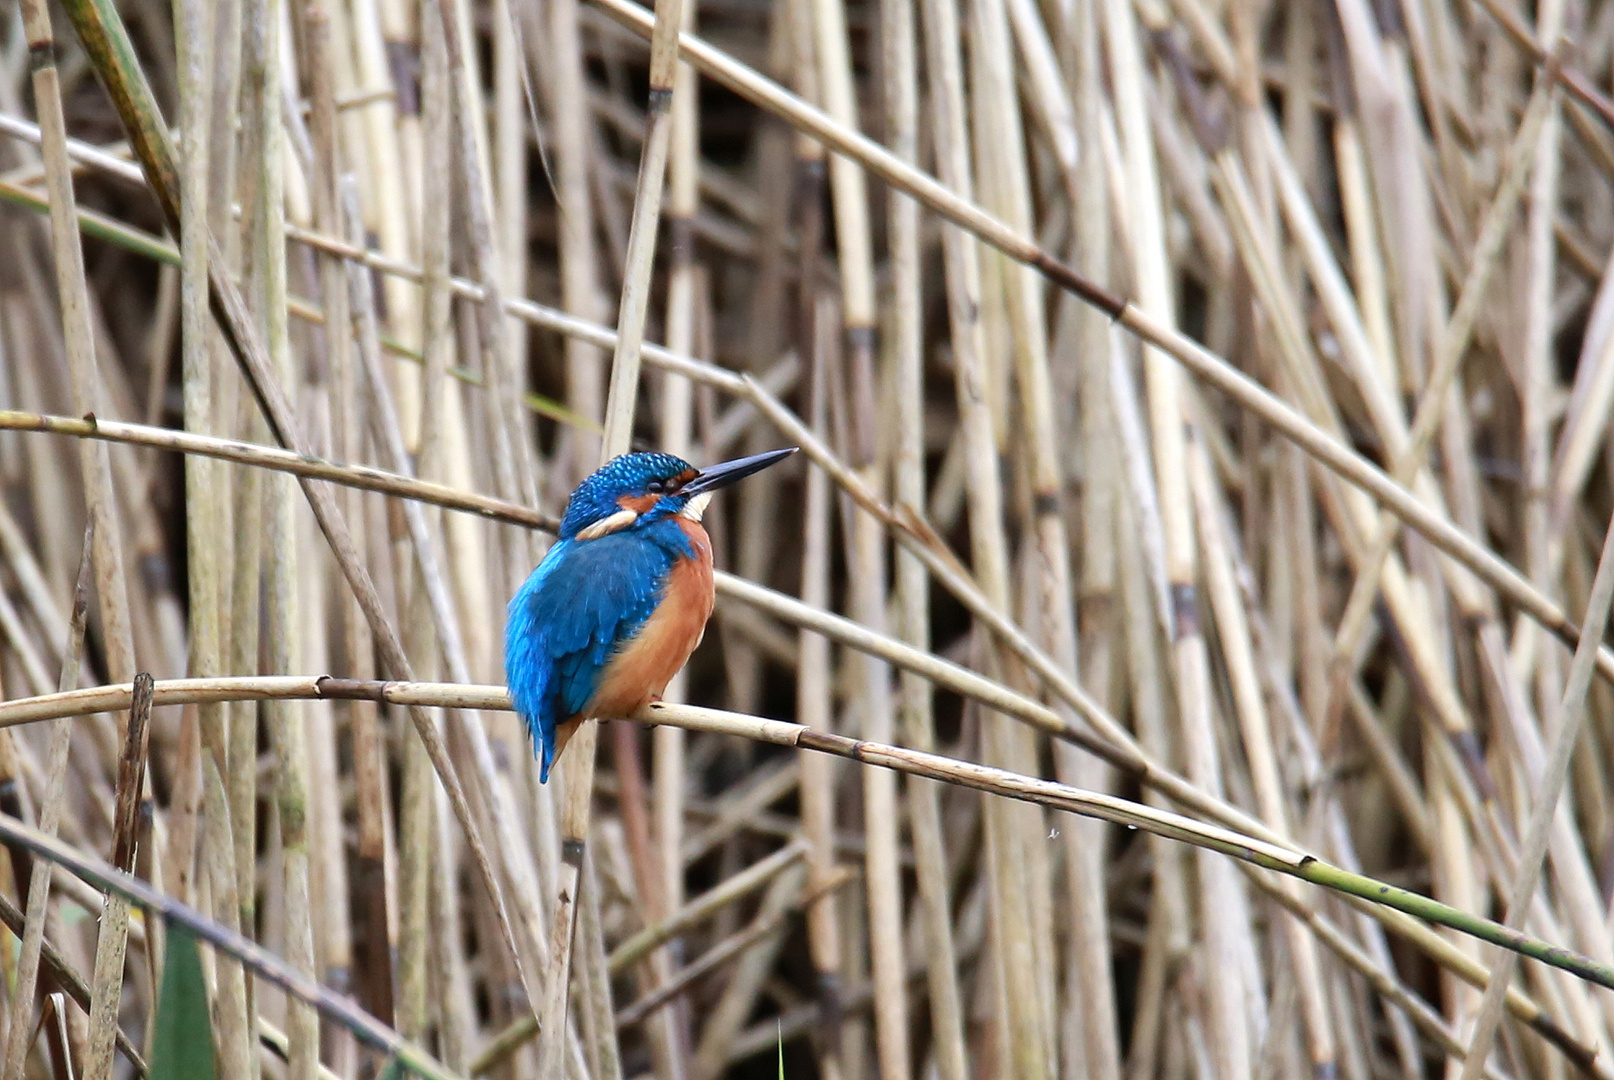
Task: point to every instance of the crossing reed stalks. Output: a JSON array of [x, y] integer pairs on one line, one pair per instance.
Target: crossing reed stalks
[[1179, 653]]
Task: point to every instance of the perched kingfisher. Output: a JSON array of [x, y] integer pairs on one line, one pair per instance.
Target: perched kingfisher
[[619, 603]]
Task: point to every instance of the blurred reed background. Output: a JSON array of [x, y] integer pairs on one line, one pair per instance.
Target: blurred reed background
[[415, 222]]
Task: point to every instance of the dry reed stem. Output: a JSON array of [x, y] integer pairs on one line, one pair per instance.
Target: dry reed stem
[[758, 931], [102, 31], [334, 937], [685, 285], [69, 980], [1115, 745], [814, 695], [1454, 343], [1337, 256], [193, 30], [1549, 788], [578, 768], [1025, 1042], [853, 410], [1201, 361], [905, 353], [1253, 849], [1226, 604], [284, 622], [49, 814], [106, 988], [1328, 449], [263, 963], [106, 536], [1228, 941]]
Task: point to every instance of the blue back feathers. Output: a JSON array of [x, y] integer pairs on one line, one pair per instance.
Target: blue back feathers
[[588, 597]]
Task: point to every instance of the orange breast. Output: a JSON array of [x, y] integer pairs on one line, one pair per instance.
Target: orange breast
[[641, 671]]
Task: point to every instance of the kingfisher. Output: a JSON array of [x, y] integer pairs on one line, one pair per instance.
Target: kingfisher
[[620, 602]]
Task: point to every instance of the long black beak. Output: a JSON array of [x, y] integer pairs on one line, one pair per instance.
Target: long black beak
[[721, 476]]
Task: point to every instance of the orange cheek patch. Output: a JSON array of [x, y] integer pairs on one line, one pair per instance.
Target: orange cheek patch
[[638, 503]]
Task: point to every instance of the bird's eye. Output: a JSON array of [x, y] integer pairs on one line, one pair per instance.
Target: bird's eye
[[655, 487]]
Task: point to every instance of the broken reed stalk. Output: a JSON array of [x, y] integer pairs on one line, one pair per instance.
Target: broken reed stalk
[[106, 990]]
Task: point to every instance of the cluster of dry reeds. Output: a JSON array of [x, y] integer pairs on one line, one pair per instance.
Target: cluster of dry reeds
[[1204, 405]]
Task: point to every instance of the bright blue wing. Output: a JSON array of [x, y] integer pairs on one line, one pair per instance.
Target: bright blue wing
[[585, 598]]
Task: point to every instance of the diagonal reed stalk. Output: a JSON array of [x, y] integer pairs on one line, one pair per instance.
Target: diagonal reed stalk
[[101, 31], [1023, 546], [110, 880], [1115, 745], [1329, 449], [39, 883], [1001, 782]]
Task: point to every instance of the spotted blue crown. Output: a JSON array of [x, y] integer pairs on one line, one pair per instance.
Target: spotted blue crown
[[629, 475]]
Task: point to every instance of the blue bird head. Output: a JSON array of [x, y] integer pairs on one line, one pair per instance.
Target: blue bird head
[[636, 482], [635, 490]]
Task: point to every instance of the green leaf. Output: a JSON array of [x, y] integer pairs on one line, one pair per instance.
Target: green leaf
[[183, 1046]]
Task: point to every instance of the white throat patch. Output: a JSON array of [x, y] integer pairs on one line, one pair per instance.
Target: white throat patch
[[696, 506], [607, 525]]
